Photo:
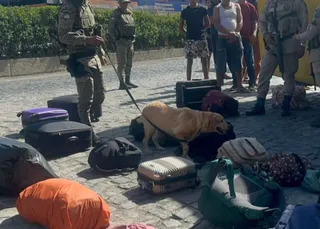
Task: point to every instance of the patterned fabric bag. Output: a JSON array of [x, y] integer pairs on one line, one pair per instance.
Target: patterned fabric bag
[[299, 100], [287, 169]]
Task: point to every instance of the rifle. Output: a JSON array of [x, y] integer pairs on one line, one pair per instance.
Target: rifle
[[277, 39]]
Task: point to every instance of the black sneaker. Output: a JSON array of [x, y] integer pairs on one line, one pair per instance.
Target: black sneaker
[[252, 88], [123, 87], [132, 85]]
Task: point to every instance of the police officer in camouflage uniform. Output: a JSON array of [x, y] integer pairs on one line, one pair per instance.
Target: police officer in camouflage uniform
[[76, 30], [122, 30], [292, 18], [313, 36]]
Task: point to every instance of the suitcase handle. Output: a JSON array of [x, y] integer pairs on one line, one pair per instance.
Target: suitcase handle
[[73, 139]]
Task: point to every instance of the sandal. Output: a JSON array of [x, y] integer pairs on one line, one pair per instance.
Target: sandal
[[242, 90]]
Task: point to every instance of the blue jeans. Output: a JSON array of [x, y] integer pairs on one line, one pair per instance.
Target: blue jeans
[[248, 57], [231, 54]]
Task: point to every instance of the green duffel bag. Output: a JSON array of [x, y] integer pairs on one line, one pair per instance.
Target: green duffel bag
[[240, 199]]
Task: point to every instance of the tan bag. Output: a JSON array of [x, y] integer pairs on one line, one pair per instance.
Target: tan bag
[[299, 100], [243, 151], [167, 174]]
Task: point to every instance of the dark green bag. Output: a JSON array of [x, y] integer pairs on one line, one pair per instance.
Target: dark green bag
[[239, 199]]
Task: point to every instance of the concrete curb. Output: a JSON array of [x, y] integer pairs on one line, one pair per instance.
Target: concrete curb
[[31, 66]]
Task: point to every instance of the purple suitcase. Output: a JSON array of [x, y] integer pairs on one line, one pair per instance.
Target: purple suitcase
[[36, 115]]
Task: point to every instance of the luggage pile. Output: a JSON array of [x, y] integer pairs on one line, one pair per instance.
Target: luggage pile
[[56, 130], [242, 187]]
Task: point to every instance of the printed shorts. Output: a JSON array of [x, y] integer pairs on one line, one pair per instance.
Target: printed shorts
[[196, 49]]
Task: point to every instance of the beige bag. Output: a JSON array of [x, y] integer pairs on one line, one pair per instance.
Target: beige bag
[[167, 174], [299, 100], [243, 151]]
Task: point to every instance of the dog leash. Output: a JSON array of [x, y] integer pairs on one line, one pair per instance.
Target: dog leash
[[134, 101]]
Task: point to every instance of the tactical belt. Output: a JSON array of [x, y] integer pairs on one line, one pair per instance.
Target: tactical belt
[[88, 53], [286, 37], [281, 39]]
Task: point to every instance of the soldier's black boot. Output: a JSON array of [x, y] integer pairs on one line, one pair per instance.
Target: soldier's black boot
[[258, 108], [128, 82], [286, 106], [123, 85], [95, 113]]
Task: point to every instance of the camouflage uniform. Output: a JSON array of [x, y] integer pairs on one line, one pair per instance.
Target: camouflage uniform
[[313, 36], [76, 22], [122, 30], [292, 17]]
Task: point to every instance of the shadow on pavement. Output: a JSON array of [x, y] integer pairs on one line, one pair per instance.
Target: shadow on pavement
[[12, 222], [148, 99], [7, 202], [15, 136]]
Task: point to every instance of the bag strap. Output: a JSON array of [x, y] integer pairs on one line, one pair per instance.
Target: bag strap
[[215, 167]]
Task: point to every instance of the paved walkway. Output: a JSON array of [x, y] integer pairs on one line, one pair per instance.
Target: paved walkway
[[157, 82]]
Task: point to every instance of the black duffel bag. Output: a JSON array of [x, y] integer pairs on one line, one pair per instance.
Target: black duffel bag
[[117, 153], [21, 165]]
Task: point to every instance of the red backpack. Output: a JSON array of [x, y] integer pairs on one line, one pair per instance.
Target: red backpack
[[219, 102]]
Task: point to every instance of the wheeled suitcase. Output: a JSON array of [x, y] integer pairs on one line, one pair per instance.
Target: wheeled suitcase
[[36, 115], [191, 93], [167, 174], [55, 138], [68, 103]]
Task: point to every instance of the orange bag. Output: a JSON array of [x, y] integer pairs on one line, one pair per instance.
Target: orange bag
[[63, 204]]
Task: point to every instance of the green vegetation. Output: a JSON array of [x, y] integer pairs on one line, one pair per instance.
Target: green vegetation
[[32, 32]]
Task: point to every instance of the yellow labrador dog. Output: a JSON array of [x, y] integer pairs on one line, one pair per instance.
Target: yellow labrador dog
[[182, 123]]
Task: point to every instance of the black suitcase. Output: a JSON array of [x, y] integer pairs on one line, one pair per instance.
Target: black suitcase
[[70, 104], [191, 93], [56, 138]]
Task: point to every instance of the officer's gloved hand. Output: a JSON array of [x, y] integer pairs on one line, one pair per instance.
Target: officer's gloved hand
[[268, 39], [94, 40]]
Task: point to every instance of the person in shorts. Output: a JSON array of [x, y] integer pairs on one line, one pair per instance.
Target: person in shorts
[[227, 19], [196, 46]]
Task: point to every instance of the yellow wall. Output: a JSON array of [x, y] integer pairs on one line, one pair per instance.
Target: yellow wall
[[303, 75]]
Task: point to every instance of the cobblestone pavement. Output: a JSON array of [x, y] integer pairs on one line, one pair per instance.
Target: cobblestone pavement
[[157, 82]]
